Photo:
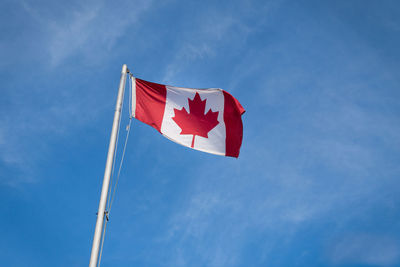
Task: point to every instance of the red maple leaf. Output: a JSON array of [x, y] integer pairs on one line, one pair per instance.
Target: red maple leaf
[[196, 122]]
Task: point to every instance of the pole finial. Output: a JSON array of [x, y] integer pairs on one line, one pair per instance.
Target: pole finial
[[125, 69]]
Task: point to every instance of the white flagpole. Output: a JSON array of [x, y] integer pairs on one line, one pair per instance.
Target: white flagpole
[[107, 173]]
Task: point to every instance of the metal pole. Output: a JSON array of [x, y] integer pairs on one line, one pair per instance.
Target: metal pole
[[106, 181]]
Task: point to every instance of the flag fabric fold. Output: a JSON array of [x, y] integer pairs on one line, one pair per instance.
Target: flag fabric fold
[[208, 120]]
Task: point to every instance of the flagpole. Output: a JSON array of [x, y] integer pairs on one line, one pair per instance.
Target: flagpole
[[107, 173]]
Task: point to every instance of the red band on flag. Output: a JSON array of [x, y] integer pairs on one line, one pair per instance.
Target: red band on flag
[[150, 103], [233, 111]]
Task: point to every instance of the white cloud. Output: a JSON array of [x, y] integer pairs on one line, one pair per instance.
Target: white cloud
[[203, 40], [90, 29], [68, 38], [14, 157], [87, 30], [187, 53], [274, 188], [365, 249]]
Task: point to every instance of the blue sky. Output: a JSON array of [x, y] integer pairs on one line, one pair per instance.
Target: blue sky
[[317, 181]]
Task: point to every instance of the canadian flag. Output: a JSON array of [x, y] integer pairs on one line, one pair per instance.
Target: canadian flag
[[208, 120]]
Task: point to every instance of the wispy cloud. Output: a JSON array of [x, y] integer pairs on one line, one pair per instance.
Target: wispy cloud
[[74, 32], [90, 29], [204, 40], [329, 163], [321, 132], [376, 250]]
